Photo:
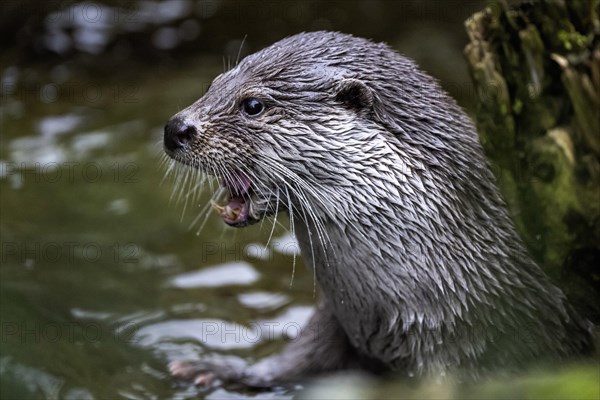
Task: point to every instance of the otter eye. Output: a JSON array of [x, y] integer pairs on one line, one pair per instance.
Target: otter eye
[[252, 106]]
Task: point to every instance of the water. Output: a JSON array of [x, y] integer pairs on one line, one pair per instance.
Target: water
[[102, 283]]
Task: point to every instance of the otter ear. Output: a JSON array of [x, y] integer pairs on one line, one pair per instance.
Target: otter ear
[[354, 94]]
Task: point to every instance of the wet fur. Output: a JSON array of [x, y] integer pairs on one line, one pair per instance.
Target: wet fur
[[395, 209]]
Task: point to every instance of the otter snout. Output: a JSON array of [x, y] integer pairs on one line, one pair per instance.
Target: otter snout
[[178, 134]]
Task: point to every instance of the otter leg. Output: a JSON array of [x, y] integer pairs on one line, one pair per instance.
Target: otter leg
[[321, 346]]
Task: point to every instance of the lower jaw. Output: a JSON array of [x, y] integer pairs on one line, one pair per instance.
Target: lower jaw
[[237, 217], [248, 220], [241, 223], [238, 224]]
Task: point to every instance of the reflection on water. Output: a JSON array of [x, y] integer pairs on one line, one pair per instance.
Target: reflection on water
[[262, 300], [224, 335], [90, 27], [233, 273], [212, 333], [102, 283]]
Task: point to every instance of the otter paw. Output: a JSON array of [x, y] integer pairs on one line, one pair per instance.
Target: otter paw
[[210, 371], [192, 371], [205, 379], [181, 369]]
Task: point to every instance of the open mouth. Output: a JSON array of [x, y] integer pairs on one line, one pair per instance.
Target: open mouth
[[236, 211]]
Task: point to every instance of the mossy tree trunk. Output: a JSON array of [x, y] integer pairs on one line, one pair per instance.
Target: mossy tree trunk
[[536, 69]]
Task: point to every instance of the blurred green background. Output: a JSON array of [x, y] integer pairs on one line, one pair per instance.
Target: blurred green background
[[102, 279]]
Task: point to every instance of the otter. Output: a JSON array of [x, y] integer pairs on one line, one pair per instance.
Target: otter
[[419, 267]]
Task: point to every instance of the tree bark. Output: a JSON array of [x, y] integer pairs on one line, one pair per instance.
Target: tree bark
[[536, 71]]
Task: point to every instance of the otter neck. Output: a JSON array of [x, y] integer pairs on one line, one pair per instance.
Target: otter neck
[[409, 264]]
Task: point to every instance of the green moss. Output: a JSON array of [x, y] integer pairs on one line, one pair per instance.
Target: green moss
[[572, 40], [574, 382], [541, 130], [579, 382], [517, 106]]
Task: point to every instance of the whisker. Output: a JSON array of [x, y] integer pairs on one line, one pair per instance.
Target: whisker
[[274, 219], [237, 60]]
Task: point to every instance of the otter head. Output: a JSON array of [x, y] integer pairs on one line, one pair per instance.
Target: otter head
[[279, 130]]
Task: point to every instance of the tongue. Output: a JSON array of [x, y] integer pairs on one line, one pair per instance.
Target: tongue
[[238, 183]]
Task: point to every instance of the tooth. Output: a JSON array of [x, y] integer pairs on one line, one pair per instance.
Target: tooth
[[231, 213], [217, 208]]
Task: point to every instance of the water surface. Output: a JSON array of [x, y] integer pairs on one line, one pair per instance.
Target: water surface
[[103, 280]]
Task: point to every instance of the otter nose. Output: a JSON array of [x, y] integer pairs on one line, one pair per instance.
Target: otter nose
[[178, 134]]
